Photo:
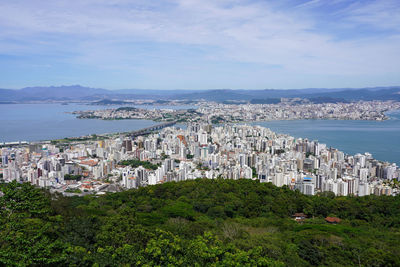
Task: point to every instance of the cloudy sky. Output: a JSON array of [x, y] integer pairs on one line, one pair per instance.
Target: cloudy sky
[[199, 44]]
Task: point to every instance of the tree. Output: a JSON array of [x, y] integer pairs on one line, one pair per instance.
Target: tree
[[76, 177], [200, 222], [28, 229]]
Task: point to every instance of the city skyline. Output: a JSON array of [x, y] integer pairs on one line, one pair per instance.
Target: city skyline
[[141, 158], [200, 44]]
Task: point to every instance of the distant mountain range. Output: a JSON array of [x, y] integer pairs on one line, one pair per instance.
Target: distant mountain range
[[80, 93]]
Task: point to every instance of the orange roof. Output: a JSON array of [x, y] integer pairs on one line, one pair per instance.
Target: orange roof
[[183, 140], [89, 162], [333, 220]]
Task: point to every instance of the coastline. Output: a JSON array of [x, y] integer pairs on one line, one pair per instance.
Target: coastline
[[106, 127], [103, 136]]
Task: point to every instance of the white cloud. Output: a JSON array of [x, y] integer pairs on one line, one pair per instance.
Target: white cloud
[[383, 14], [95, 31]]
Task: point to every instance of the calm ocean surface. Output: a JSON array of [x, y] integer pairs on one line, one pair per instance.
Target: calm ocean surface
[[34, 122]]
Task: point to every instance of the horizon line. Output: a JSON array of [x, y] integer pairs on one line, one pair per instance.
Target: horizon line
[[209, 89]]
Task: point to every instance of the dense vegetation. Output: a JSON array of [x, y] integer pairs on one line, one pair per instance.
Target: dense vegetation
[[68, 140], [72, 177], [196, 223], [217, 119], [136, 163], [127, 109]]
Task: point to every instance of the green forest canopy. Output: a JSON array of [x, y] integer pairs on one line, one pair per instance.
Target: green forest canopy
[[134, 163], [197, 223]]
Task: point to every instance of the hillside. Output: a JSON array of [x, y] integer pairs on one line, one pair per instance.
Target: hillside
[[80, 93], [197, 223]]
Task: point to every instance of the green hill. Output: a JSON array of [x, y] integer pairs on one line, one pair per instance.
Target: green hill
[[197, 223]]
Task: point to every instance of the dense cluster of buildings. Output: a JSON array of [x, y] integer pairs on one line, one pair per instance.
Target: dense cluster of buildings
[[287, 109], [198, 151], [121, 113]]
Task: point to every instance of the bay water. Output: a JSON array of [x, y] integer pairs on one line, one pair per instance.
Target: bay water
[[35, 122]]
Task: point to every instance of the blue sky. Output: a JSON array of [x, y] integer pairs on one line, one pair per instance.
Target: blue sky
[[199, 44]]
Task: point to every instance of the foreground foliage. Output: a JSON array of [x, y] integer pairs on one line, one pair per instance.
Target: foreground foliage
[[196, 223]]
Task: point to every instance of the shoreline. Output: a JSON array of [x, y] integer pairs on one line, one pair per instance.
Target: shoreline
[[103, 136], [216, 124]]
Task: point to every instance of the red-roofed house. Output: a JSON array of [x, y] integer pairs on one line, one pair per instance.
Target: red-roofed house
[[333, 220]]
